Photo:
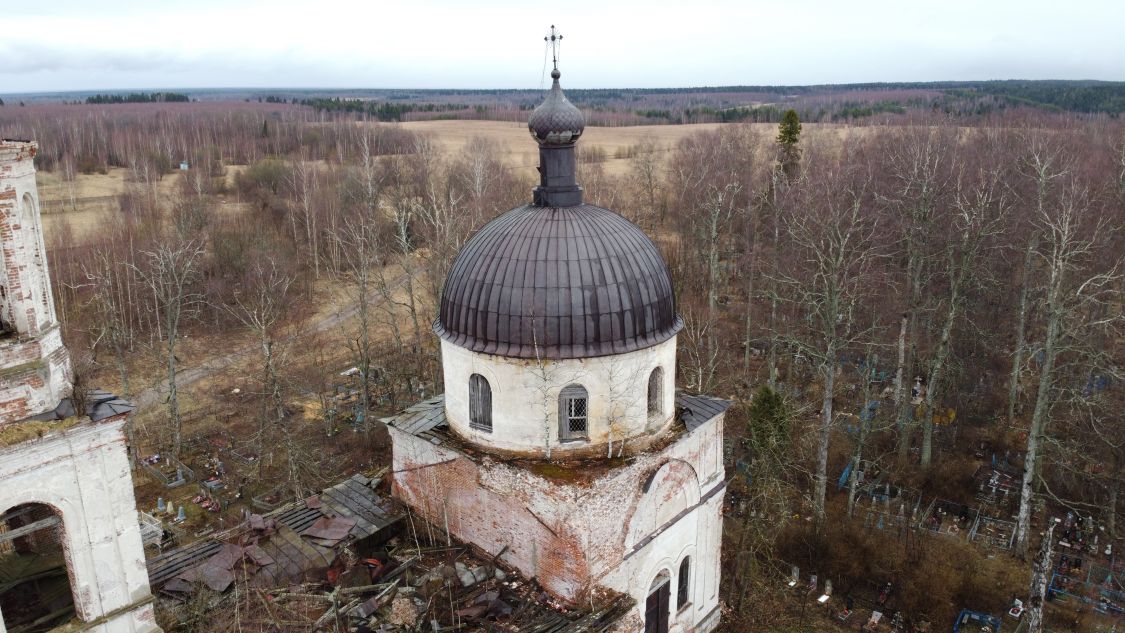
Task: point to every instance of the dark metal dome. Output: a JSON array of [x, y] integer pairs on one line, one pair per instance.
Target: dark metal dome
[[570, 282], [556, 121]]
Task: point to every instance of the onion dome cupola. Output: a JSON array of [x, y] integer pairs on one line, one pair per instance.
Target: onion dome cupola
[[558, 278], [556, 121]]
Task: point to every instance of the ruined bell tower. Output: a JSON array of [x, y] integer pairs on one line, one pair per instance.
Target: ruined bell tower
[[70, 545], [34, 365]]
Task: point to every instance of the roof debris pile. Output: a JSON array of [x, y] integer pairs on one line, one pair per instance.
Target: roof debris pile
[[295, 543], [337, 561]]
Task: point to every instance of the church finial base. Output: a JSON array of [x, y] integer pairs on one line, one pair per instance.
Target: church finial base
[[558, 186]]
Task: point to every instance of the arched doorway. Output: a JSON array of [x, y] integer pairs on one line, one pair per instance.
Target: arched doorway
[[35, 592], [656, 606]]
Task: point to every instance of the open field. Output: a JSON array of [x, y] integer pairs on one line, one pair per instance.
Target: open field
[[520, 150], [90, 200]]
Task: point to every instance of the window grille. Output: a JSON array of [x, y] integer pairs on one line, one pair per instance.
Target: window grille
[[574, 413], [655, 392], [480, 403]]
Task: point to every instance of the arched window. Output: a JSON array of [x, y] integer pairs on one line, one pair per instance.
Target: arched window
[[480, 403], [36, 594], [655, 392], [683, 582], [574, 413], [656, 606]]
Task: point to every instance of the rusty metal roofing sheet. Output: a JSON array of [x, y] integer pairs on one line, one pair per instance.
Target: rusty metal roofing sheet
[[169, 564], [696, 410], [283, 554], [353, 498], [295, 559], [331, 530], [558, 282], [297, 518]]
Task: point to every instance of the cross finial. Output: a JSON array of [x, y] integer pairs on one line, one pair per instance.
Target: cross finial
[[554, 40]]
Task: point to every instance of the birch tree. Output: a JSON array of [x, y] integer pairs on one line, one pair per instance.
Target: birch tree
[[363, 252], [173, 271], [260, 305], [918, 168], [832, 236], [979, 210], [1044, 164], [1077, 278]]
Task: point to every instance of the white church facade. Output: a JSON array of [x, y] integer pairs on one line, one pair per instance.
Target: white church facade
[[561, 446]]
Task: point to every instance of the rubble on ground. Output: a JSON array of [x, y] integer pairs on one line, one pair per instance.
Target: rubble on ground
[[331, 563]]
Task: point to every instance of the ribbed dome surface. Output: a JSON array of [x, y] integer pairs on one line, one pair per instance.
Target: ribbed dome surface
[[573, 282]]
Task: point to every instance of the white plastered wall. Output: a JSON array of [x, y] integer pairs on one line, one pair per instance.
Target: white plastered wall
[[83, 474], [696, 535], [670, 523], [525, 394]]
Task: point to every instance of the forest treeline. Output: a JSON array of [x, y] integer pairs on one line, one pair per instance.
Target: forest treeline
[[379, 110], [903, 294], [138, 97]]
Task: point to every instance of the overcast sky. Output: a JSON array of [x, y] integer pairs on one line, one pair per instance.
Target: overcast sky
[[120, 44]]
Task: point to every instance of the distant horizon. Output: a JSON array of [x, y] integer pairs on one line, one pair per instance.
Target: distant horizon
[[206, 89]]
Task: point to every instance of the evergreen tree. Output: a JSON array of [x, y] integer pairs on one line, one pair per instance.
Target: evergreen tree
[[768, 422], [788, 135], [789, 130]]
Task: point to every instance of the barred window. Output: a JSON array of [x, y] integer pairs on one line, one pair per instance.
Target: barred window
[[655, 392], [574, 413], [480, 403]]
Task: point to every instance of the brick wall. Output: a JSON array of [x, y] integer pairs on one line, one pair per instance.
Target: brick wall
[[34, 365], [569, 536]]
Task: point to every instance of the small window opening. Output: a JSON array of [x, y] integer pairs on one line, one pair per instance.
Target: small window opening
[[35, 592], [573, 413], [655, 392], [683, 582], [480, 403], [656, 606]]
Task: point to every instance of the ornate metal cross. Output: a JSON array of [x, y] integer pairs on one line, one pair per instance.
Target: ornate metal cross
[[554, 40]]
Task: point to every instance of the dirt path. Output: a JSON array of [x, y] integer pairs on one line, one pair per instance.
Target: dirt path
[[153, 395]]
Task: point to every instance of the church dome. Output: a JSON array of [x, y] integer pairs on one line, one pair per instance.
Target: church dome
[[556, 121], [558, 283]]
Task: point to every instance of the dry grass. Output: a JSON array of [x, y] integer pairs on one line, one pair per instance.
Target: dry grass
[[89, 200], [34, 429], [520, 153]]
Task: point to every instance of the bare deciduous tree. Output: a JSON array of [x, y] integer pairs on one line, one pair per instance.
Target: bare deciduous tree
[[260, 305], [918, 166], [363, 251], [979, 210], [832, 236], [173, 271], [1075, 283]]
